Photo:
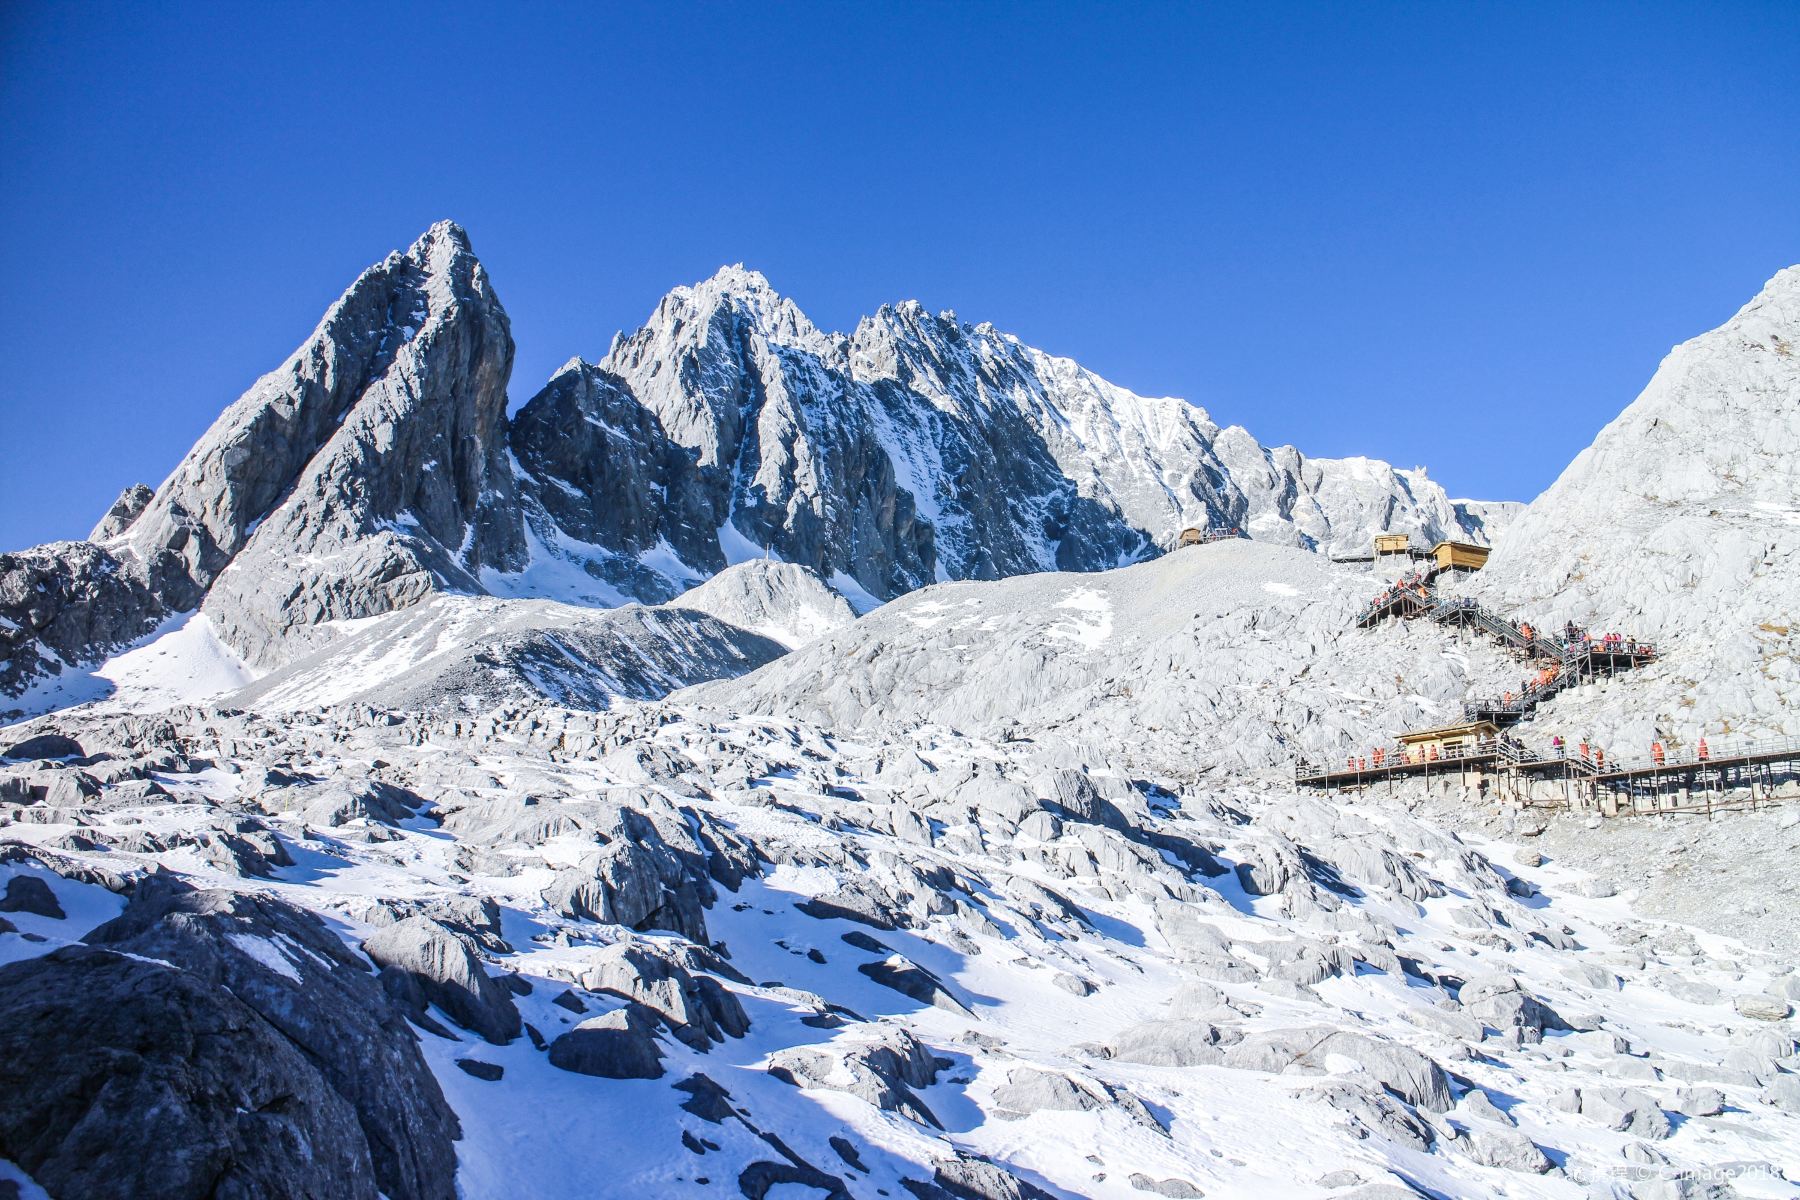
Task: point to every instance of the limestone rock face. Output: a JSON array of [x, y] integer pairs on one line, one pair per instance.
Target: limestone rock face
[[65, 602], [1680, 524], [127, 508], [405, 491], [598, 468], [252, 1118], [423, 963]]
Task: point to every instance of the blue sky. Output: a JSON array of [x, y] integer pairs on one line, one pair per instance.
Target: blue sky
[[1458, 235]]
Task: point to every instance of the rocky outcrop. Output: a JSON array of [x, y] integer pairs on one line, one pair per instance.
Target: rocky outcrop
[[407, 491], [1679, 525], [66, 602], [425, 964], [127, 508], [212, 1043], [596, 467], [124, 1078]]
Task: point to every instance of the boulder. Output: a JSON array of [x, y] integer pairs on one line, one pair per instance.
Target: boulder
[[300, 983], [879, 1064], [124, 1078], [1400, 1069], [1175, 1188], [45, 745], [696, 1008], [1172, 1043], [1507, 1149], [617, 1045], [30, 894], [1762, 1008], [423, 964], [915, 982]]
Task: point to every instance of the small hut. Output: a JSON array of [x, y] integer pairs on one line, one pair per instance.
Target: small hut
[[1450, 741], [1459, 556], [1191, 537], [1392, 543]]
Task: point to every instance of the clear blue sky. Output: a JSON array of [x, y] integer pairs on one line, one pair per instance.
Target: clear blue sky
[[1460, 235]]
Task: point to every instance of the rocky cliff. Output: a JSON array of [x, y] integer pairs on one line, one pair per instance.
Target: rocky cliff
[[377, 467]]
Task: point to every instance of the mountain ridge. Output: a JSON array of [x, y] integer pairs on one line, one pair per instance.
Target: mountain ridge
[[378, 465]]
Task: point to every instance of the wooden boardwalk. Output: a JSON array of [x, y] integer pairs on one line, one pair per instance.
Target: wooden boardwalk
[[1676, 781], [1681, 782]]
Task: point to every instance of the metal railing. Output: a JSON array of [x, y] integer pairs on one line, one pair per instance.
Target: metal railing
[[1394, 758], [1724, 754]]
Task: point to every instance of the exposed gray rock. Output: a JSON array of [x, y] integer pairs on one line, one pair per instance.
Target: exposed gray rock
[[914, 981], [696, 1007], [1402, 1070], [637, 882], [487, 1071], [1762, 1008], [1699, 1102], [70, 602], [1624, 1109], [1501, 1004], [389, 470], [123, 1078], [1507, 1149], [1371, 1113], [617, 1045], [967, 1177], [29, 894], [1029, 1090], [276, 989], [45, 745], [1176, 1188], [423, 963], [1782, 1091], [1475, 1103], [1173, 1043], [476, 917], [881, 1065], [126, 509]]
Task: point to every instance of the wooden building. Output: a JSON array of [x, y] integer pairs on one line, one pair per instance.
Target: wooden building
[[1191, 537], [1393, 543], [1461, 556], [1449, 741]]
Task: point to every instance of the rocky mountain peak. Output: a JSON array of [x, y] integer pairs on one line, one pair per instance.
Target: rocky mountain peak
[[377, 466]]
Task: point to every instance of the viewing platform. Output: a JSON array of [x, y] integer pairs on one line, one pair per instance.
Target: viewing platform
[[1722, 777]]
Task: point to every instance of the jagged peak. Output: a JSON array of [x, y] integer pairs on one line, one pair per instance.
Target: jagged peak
[[737, 279], [442, 234], [685, 311]]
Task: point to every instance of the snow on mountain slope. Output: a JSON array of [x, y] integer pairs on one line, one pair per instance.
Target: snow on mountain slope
[[473, 653], [1234, 655], [999, 891], [780, 601], [183, 661], [1681, 523]]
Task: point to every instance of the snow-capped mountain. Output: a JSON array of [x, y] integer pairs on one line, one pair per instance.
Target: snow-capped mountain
[[377, 467], [552, 827]]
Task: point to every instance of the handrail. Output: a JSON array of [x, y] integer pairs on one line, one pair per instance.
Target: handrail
[[1723, 754]]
